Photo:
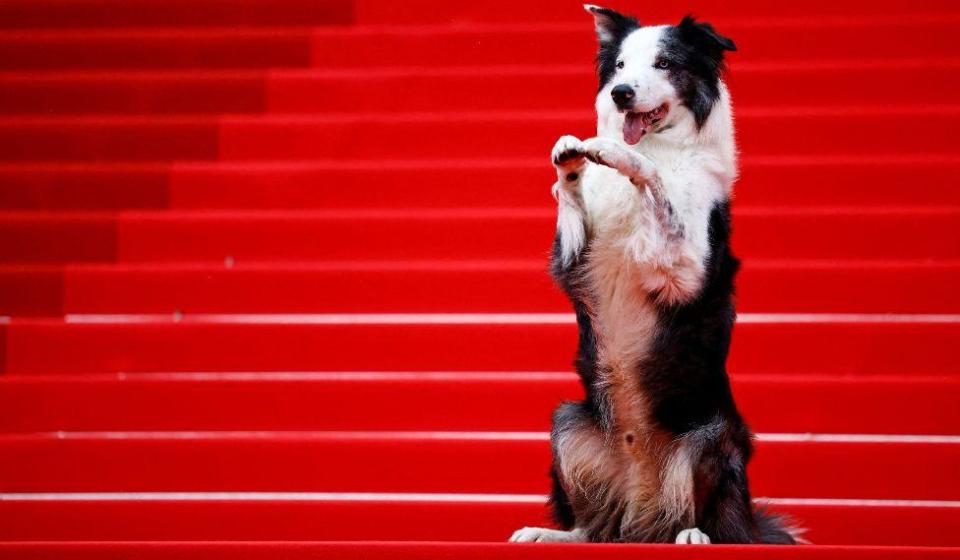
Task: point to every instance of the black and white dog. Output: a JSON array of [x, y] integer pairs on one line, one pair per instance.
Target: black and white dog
[[657, 451]]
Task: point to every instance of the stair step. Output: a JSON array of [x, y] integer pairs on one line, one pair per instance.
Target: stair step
[[430, 462], [794, 131], [246, 236], [449, 88], [788, 286], [476, 44], [442, 551], [504, 11], [230, 47], [331, 184], [443, 401], [801, 344], [778, 131], [116, 13], [101, 138], [422, 518], [508, 43], [139, 92], [86, 14]]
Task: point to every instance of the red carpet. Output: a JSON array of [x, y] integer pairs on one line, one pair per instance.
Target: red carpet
[[275, 274]]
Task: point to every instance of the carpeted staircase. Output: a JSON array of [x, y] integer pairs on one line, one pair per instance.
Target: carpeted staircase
[[275, 274]]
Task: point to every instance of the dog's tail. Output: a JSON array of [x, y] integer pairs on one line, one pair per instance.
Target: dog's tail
[[777, 529]]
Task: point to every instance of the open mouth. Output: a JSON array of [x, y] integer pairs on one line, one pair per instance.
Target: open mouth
[[636, 124]]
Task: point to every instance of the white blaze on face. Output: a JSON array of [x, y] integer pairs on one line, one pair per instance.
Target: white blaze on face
[[639, 53]]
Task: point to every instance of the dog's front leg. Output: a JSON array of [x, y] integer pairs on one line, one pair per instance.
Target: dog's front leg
[[642, 173], [674, 267], [568, 159]]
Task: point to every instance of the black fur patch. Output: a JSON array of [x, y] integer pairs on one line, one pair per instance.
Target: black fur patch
[[566, 277], [691, 344], [694, 52], [612, 28]]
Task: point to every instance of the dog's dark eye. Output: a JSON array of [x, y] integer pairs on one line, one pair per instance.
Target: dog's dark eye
[[663, 64], [619, 64]]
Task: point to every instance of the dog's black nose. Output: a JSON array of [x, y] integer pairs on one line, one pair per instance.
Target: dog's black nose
[[623, 96]]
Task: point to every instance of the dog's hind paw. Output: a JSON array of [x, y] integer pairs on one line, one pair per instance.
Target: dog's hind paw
[[539, 534], [692, 536]]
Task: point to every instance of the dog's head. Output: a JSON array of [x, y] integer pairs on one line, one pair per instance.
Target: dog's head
[[653, 78]]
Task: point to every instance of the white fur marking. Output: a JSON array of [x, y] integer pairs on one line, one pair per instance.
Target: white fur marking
[[676, 493], [570, 212], [692, 536], [542, 535]]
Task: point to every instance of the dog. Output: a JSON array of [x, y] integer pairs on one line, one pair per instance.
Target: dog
[[657, 451]]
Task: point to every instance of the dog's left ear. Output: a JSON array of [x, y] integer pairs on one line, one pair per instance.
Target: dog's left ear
[[610, 24], [704, 36]]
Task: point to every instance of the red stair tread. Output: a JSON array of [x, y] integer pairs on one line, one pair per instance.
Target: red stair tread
[[63, 238], [245, 344], [451, 463], [788, 286], [574, 87], [435, 401], [888, 525], [155, 48], [448, 89], [761, 132], [118, 13], [244, 236], [108, 138], [105, 13], [443, 234], [780, 131], [504, 11], [863, 37], [54, 186], [445, 551], [814, 181], [488, 287], [115, 93], [31, 291], [388, 46]]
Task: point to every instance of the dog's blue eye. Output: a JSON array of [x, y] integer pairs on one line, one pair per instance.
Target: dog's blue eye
[[619, 64], [663, 64]]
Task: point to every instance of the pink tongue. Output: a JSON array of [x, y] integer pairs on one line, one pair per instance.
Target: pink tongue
[[634, 127]]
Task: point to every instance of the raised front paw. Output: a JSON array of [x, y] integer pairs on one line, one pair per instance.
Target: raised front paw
[[608, 152], [611, 153], [567, 155]]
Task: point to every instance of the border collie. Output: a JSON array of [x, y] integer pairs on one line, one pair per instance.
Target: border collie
[[657, 451]]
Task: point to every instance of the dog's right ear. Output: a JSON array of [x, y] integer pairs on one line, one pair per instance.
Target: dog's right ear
[[611, 25]]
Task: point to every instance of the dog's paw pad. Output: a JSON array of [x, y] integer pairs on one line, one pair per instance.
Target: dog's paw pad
[[539, 534], [692, 536], [566, 151]]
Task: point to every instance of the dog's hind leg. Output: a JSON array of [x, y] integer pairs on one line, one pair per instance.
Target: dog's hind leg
[[580, 475], [563, 513], [718, 454]]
